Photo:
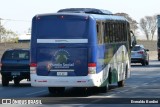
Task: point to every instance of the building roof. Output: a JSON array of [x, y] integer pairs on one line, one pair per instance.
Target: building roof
[[24, 36]]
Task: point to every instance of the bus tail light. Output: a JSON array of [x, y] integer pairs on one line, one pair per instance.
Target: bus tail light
[[33, 67], [92, 68]]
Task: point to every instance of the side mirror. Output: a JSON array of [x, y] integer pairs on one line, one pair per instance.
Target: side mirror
[[146, 49], [133, 39]]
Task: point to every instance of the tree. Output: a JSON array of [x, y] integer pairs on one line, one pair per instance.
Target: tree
[[153, 25], [148, 25], [133, 23], [4, 33], [143, 24]]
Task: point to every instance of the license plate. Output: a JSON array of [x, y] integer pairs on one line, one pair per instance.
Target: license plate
[[62, 73], [15, 73]]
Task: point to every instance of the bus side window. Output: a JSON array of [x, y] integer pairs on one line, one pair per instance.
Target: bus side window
[[120, 38], [121, 31], [104, 33], [99, 33], [124, 32], [117, 39], [111, 32]]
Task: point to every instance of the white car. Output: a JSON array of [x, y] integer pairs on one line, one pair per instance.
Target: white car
[[140, 55]]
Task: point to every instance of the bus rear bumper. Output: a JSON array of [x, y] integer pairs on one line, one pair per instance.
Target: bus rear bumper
[[77, 81]]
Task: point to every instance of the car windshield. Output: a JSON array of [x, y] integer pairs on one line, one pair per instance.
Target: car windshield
[[136, 48], [18, 55]]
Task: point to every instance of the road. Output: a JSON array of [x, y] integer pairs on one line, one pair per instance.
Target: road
[[144, 84]]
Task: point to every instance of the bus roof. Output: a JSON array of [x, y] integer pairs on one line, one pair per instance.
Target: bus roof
[[108, 17], [93, 16], [85, 10], [96, 13]]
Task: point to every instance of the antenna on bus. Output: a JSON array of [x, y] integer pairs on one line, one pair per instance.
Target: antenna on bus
[[85, 10]]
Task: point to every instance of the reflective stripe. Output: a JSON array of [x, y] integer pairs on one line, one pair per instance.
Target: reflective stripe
[[62, 70], [62, 40]]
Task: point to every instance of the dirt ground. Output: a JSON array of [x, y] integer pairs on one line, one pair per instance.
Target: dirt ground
[[153, 55]]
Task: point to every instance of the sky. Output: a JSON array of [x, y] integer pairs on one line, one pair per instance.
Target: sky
[[18, 14]]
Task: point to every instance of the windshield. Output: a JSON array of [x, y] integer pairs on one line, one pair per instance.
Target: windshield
[[16, 55], [62, 28], [136, 48]]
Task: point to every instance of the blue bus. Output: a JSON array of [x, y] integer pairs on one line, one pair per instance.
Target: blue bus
[[79, 47], [158, 36]]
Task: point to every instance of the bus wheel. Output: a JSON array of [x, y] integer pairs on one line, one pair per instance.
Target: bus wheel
[[56, 90], [5, 81], [104, 89], [16, 81], [121, 83], [126, 72]]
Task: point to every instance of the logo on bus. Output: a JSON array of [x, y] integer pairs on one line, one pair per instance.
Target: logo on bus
[[61, 59], [61, 56]]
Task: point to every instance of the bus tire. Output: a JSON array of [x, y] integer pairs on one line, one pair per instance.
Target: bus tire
[[121, 83], [5, 81], [126, 72], [110, 77], [16, 81], [56, 90], [105, 88]]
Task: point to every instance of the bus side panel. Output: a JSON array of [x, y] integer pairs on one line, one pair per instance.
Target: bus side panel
[[158, 37], [113, 57], [33, 44], [92, 41]]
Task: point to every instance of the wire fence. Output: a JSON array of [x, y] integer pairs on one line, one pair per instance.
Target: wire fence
[[5, 46], [151, 45]]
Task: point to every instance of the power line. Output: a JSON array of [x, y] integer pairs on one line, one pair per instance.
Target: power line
[[15, 20]]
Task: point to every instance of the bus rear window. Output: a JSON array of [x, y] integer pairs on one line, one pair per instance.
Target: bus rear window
[[62, 28]]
